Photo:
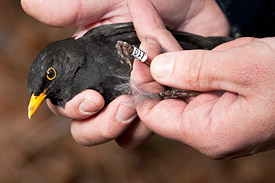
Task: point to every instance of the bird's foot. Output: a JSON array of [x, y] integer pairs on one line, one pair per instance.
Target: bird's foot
[[176, 93], [124, 50]]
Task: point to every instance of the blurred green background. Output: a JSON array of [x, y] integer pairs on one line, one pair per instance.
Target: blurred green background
[[42, 149]]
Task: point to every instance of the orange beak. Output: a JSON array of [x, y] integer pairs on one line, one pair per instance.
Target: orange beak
[[35, 102]]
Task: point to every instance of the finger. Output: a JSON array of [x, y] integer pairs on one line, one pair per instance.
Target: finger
[[82, 106], [134, 136], [65, 13], [145, 23], [109, 124], [204, 70], [148, 22], [141, 77]]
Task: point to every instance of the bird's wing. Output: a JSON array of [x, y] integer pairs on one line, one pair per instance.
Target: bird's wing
[[190, 41]]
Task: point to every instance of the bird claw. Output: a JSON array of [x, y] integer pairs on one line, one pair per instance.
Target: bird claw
[[124, 51]]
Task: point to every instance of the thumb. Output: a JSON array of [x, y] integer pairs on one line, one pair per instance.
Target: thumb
[[81, 106], [201, 70]]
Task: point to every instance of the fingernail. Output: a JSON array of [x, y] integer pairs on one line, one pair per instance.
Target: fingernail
[[88, 107], [164, 66], [126, 113]]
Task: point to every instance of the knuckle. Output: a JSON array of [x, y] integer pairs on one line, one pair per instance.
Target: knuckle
[[195, 69]]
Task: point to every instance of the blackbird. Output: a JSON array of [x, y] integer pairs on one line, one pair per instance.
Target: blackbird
[[65, 68]]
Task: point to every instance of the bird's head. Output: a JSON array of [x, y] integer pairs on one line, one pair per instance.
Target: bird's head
[[53, 71]]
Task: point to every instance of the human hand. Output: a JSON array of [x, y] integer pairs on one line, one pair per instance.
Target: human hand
[[182, 15], [199, 17], [235, 114]]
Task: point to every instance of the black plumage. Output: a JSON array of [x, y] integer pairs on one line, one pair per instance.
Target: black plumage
[[92, 62]]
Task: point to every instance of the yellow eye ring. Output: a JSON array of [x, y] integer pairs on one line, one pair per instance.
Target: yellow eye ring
[[51, 73]]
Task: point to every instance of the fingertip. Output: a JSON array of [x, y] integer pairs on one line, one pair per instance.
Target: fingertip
[[126, 113], [162, 67], [26, 5], [84, 105], [149, 23], [37, 9]]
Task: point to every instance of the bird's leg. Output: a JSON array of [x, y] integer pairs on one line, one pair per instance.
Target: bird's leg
[[176, 93], [124, 50]]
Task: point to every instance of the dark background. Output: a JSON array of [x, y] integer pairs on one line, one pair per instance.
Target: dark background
[[42, 149]]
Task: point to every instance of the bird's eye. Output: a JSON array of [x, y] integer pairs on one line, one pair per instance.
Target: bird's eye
[[51, 73]]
